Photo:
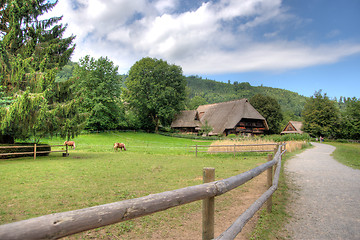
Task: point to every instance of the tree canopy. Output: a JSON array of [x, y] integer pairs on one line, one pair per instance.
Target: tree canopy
[[98, 87], [321, 116], [350, 119], [34, 48], [270, 109], [156, 90], [32, 52]]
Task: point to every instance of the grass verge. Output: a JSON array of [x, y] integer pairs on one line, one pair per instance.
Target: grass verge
[[347, 154]]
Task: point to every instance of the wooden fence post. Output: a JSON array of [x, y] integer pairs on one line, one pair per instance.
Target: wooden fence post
[[35, 151], [269, 183], [208, 209], [196, 150], [275, 149], [234, 150]]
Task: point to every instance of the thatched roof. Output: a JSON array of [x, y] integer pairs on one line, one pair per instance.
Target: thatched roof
[[293, 127], [227, 115], [186, 119]]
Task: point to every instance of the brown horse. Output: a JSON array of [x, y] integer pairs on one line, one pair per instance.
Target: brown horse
[[119, 145], [70, 143]]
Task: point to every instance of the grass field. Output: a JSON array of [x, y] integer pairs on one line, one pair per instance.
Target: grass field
[[347, 153], [94, 174]]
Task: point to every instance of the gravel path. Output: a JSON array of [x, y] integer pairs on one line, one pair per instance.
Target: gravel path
[[326, 203]]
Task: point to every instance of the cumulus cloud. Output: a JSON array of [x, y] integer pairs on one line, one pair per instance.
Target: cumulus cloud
[[212, 37]]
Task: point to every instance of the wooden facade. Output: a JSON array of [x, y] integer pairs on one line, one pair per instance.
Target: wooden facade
[[293, 127], [233, 117]]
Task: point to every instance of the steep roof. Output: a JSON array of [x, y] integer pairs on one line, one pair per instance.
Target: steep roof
[[295, 125], [227, 115], [186, 119]]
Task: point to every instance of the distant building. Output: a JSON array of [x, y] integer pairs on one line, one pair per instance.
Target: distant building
[[293, 127], [233, 117]]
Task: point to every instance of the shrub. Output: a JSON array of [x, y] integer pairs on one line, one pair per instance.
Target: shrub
[[231, 136]]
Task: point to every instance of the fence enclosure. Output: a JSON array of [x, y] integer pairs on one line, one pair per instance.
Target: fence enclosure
[[34, 150], [59, 225]]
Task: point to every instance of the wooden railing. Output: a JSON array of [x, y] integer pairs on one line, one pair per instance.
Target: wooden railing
[[34, 151], [59, 225]]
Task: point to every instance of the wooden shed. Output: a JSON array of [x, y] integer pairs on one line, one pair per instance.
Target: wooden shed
[[233, 117], [293, 127]]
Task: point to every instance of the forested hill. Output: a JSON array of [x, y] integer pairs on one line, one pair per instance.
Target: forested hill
[[212, 91]]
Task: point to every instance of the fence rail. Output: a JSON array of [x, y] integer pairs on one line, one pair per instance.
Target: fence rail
[[59, 225], [34, 152]]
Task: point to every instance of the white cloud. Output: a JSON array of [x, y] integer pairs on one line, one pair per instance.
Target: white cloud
[[275, 56], [215, 37]]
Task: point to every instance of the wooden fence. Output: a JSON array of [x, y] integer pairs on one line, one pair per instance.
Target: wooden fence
[[231, 148], [63, 224], [34, 150]]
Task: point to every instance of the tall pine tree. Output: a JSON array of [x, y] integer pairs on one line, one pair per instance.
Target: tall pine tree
[[32, 51]]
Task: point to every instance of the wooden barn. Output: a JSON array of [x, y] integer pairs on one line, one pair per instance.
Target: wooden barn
[[233, 117], [293, 127]]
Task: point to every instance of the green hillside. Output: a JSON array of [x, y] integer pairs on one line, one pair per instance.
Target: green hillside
[[211, 91]]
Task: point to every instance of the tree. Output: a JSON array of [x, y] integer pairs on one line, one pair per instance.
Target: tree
[[98, 85], [270, 109], [27, 116], [195, 102], [68, 119], [156, 90], [35, 48], [321, 116], [205, 129], [4, 101], [350, 121], [32, 51]]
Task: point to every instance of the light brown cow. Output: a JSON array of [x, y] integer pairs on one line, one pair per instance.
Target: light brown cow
[[70, 143], [119, 145]]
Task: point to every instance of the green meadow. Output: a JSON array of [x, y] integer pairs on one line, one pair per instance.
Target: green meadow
[[347, 154], [94, 174]]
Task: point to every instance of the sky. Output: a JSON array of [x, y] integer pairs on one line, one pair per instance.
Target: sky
[[299, 45]]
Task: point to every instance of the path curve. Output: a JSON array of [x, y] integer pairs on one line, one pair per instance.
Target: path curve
[[326, 201]]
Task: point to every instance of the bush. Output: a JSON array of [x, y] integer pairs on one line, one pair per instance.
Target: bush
[[231, 136]]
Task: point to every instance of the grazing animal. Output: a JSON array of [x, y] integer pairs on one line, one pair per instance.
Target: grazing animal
[[119, 145], [70, 143]]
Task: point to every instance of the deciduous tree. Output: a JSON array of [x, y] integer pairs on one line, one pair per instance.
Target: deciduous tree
[[98, 87], [350, 119], [321, 116], [270, 109], [156, 90]]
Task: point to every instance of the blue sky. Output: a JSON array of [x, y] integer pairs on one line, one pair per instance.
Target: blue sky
[[298, 45]]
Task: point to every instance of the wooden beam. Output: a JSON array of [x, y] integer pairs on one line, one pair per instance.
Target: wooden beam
[[208, 209]]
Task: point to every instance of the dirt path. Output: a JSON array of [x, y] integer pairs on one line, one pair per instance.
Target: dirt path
[[326, 200]]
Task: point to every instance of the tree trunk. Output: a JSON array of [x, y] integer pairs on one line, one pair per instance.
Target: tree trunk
[[156, 122]]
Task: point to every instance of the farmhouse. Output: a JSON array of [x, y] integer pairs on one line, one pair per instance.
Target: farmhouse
[[237, 117], [293, 127]]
